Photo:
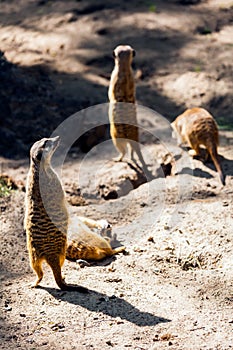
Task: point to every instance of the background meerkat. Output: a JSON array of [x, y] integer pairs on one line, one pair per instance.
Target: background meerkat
[[197, 127], [85, 244], [46, 215], [122, 108]]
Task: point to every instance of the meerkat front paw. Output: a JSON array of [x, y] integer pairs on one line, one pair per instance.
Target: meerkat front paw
[[82, 263], [192, 153], [105, 228]]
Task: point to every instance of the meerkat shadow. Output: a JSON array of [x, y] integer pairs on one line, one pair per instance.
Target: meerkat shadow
[[103, 262], [197, 172], [141, 174], [109, 305]]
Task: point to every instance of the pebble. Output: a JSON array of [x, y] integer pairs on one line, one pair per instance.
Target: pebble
[[8, 308]]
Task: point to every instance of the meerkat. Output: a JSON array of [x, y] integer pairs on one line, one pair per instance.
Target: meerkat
[[122, 108], [89, 245], [196, 126], [46, 214]]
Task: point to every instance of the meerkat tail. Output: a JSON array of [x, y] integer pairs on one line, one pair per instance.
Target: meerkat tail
[[214, 156], [118, 250]]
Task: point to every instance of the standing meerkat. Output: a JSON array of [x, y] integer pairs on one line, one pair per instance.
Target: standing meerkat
[[197, 127], [122, 107], [46, 215]]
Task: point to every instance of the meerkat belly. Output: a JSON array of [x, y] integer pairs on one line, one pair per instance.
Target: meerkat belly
[[123, 122]]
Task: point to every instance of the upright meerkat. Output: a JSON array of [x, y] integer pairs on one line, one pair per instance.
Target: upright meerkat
[[122, 108], [46, 215], [197, 127], [86, 244]]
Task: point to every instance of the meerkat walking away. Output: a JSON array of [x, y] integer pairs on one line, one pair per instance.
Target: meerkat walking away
[[122, 108], [89, 245], [197, 127], [46, 215]]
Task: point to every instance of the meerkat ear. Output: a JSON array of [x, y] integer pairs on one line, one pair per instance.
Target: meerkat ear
[[113, 53], [134, 53]]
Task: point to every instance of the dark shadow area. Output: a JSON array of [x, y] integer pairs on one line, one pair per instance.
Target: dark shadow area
[[109, 305], [31, 107], [226, 164], [125, 184], [197, 172], [202, 194], [87, 263], [141, 177]]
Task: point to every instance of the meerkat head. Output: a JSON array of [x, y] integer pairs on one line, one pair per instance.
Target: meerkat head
[[42, 150], [124, 54]]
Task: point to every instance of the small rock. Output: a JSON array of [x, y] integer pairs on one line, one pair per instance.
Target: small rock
[[112, 297], [138, 250], [117, 279], [156, 337], [104, 299], [166, 336], [108, 342], [57, 326], [8, 308]]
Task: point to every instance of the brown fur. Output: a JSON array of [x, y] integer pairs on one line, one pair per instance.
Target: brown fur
[[46, 216], [197, 127], [89, 245], [122, 108]]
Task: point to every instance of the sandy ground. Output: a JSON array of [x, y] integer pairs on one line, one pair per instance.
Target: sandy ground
[[173, 289]]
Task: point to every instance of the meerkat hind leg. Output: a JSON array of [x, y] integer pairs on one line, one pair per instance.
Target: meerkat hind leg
[[36, 265], [120, 145], [195, 149]]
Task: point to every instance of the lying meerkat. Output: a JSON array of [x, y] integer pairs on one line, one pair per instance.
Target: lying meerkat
[[122, 107], [46, 215], [197, 127], [86, 244]]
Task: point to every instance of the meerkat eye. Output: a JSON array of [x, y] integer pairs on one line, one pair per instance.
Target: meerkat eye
[[134, 53], [113, 53], [39, 155], [47, 145]]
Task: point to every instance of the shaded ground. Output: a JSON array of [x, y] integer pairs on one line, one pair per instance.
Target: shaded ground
[[174, 288]]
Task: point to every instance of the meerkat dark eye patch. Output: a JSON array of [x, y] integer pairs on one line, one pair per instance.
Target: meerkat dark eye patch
[[39, 155], [113, 53], [134, 53], [47, 143]]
